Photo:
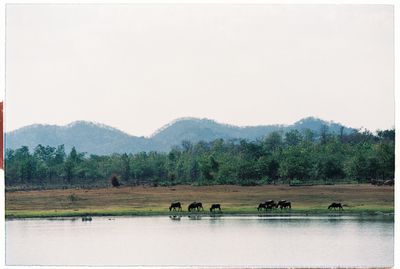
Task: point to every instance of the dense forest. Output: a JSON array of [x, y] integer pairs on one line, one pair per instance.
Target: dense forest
[[293, 157]]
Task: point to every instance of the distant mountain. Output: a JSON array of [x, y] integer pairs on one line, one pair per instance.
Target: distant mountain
[[95, 138], [195, 130], [85, 136]]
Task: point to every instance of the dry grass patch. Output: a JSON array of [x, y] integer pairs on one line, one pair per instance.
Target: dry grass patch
[[234, 198]]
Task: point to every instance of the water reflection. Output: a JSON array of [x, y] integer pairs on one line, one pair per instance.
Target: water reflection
[[175, 217], [63, 219], [195, 217], [216, 216], [216, 213], [268, 241]]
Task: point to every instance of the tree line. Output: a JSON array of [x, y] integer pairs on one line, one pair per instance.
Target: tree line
[[292, 157]]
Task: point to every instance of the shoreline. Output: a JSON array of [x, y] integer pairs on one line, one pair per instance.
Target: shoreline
[[293, 213]]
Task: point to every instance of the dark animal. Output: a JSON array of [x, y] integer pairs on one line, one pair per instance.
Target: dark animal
[[195, 205], [199, 205], [214, 207], [192, 206], [261, 206], [280, 203], [285, 205], [270, 204], [176, 205], [336, 205]]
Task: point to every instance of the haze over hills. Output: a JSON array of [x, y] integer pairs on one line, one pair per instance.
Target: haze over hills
[[95, 138]]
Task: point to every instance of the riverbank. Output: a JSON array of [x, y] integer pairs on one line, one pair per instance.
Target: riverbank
[[360, 199], [116, 213]]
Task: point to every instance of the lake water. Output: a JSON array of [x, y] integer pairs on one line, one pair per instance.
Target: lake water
[[225, 241]]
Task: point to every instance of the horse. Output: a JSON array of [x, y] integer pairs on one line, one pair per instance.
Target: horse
[[285, 205], [336, 205], [175, 205], [195, 205], [214, 207]]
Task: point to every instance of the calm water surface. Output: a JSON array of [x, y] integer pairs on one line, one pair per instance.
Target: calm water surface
[[229, 241]]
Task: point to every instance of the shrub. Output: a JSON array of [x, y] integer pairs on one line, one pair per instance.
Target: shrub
[[115, 181]]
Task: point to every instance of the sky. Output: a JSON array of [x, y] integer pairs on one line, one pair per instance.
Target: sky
[[138, 67]]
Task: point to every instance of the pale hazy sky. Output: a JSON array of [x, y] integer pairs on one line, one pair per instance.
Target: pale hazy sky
[[137, 67]]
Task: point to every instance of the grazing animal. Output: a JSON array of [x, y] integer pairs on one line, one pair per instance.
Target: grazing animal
[[336, 205], [214, 207], [270, 204], [192, 206], [285, 205], [280, 203], [261, 206], [199, 205], [195, 205], [175, 205]]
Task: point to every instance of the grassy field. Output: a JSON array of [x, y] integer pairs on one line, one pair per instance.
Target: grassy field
[[142, 200]]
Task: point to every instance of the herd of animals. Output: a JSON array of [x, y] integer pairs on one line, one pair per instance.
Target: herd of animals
[[268, 205], [198, 206]]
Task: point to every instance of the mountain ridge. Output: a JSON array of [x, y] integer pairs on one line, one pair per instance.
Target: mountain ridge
[[97, 138]]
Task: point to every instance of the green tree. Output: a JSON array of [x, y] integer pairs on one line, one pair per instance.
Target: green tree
[[126, 168], [296, 163], [293, 138], [71, 165], [273, 142]]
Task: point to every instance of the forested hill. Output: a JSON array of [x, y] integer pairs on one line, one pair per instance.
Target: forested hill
[[100, 139]]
